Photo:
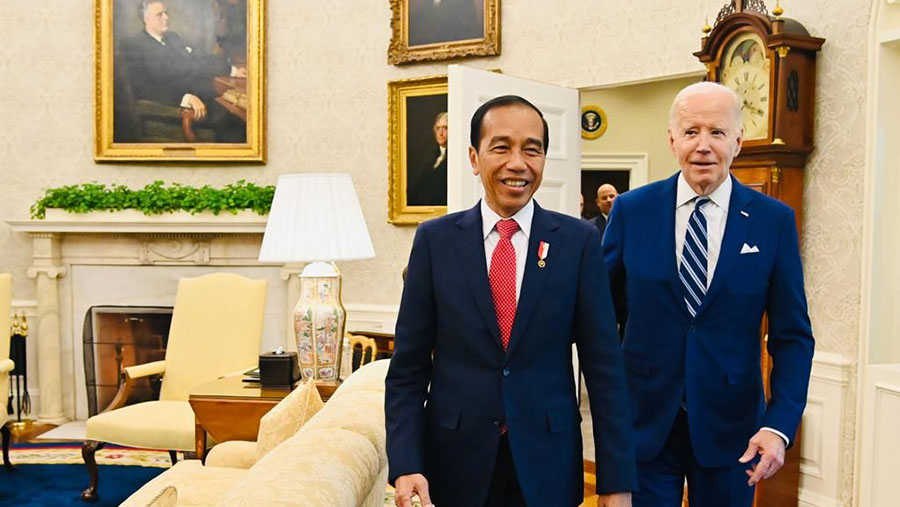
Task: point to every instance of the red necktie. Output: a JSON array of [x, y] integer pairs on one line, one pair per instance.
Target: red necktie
[[503, 279]]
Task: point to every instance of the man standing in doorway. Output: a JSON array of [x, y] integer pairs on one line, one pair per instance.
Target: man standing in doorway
[[606, 194]]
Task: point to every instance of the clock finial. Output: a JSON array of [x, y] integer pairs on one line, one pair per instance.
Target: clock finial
[[706, 28], [777, 11]]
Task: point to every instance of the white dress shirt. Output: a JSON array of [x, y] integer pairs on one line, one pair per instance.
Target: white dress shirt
[[716, 213], [441, 157], [519, 240]]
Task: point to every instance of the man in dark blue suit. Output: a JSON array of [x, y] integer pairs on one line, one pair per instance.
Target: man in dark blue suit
[[480, 397], [695, 261]]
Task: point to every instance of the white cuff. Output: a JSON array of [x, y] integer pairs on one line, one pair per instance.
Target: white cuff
[[184, 101], [234, 71], [787, 441]]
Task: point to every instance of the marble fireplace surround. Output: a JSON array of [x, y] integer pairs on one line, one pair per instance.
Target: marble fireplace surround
[[132, 259]]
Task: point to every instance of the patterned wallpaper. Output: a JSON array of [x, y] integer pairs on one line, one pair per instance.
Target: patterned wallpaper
[[327, 104]]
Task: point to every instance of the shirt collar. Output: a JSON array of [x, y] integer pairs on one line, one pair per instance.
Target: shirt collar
[[158, 39], [721, 196], [489, 218]]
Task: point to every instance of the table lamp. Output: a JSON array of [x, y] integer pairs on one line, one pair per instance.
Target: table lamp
[[316, 218]]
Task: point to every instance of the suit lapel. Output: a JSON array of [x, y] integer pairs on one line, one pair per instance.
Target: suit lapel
[[736, 228], [666, 219], [543, 228], [470, 252]]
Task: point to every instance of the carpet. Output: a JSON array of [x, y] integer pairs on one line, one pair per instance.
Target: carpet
[[54, 474]]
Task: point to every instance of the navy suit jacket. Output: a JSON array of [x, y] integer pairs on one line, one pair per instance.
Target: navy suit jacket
[[164, 73], [713, 360], [451, 387], [599, 222]]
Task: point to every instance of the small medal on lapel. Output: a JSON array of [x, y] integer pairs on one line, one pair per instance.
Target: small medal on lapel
[[543, 248]]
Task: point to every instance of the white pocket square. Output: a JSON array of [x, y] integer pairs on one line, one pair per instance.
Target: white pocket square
[[747, 249]]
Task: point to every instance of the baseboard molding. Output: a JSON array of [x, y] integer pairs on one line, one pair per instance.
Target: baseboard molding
[[811, 499]]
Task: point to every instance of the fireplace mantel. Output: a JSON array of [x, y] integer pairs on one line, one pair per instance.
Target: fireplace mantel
[[124, 238], [134, 222]]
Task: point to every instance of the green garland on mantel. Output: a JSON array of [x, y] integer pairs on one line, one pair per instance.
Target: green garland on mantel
[[156, 198]]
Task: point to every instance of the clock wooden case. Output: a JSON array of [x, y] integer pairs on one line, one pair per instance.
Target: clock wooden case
[[770, 62]]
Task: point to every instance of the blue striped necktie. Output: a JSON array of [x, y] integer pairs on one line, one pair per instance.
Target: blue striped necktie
[[694, 258]]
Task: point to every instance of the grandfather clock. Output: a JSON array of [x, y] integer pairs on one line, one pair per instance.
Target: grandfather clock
[[770, 62]]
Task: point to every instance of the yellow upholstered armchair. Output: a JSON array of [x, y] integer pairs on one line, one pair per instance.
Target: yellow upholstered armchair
[[6, 365], [216, 329]]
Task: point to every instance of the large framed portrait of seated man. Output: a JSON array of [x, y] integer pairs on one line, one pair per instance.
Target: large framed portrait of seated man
[[180, 80], [417, 133], [424, 30]]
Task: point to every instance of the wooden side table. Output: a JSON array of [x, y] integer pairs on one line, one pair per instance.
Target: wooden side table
[[229, 409]]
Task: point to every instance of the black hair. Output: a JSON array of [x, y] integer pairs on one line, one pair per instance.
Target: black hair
[[503, 100]]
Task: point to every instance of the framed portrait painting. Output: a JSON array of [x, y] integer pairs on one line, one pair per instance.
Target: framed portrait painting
[[427, 30], [179, 80], [417, 146]]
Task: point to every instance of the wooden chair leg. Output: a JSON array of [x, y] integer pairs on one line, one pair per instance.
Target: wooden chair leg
[[6, 437], [173, 455], [87, 453]]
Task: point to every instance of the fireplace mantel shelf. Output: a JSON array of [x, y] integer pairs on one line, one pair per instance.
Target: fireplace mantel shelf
[[134, 222]]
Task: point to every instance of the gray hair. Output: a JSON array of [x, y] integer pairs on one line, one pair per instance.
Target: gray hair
[[145, 4], [705, 87], [442, 114]]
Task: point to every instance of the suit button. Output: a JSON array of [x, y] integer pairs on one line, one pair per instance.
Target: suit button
[[496, 422], [505, 372]]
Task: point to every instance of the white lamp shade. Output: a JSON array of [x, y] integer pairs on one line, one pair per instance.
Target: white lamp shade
[[315, 217]]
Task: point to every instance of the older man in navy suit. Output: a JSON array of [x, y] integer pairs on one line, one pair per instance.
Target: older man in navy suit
[[695, 261], [481, 401]]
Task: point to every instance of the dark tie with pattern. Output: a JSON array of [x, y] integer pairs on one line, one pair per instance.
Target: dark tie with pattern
[[502, 276], [694, 257]]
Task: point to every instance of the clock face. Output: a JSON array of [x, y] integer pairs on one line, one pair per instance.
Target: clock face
[[745, 69]]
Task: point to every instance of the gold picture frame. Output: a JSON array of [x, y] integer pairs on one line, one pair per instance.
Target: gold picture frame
[[449, 29], [593, 122], [414, 121], [183, 96]]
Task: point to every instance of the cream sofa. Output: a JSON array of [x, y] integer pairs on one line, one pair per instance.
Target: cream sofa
[[336, 459]]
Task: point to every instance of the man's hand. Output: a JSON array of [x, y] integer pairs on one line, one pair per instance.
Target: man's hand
[[614, 500], [771, 450], [197, 105], [238, 71], [406, 486]]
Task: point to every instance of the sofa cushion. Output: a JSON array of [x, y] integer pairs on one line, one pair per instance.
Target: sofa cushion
[[323, 467], [358, 411], [288, 416], [195, 484], [152, 425], [168, 497], [370, 377], [233, 454]]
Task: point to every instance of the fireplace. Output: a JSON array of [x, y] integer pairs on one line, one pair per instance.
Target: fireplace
[[116, 337], [128, 259]]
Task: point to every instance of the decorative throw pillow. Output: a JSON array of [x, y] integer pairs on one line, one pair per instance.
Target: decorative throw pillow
[[288, 416]]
